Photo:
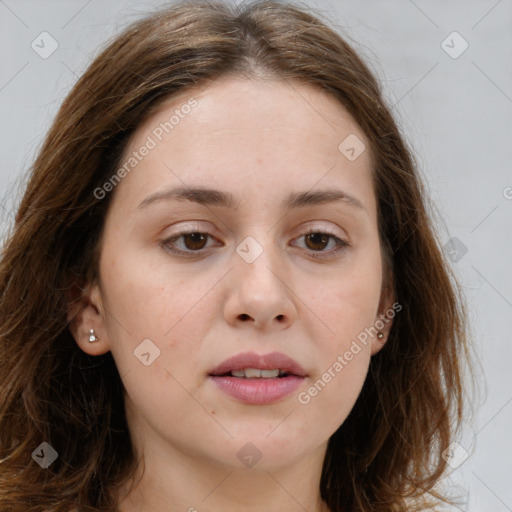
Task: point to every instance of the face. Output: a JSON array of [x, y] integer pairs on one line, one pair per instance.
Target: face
[[260, 275]]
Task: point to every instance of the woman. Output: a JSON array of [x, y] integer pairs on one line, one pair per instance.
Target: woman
[[222, 290]]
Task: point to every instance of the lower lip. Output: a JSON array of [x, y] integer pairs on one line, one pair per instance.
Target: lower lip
[[258, 391]]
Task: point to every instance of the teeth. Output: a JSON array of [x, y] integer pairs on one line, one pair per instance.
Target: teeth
[[251, 373], [270, 374]]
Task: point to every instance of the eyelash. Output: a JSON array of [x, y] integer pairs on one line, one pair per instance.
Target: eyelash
[[341, 244]]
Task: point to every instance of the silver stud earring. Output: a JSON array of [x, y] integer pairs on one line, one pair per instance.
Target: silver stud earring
[[92, 337], [380, 335]]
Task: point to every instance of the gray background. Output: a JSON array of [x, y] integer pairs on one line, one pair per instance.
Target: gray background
[[455, 112]]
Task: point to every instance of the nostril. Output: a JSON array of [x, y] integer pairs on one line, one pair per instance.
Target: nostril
[[244, 316]]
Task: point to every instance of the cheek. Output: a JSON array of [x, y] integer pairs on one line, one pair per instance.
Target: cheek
[[174, 312], [337, 388], [347, 306], [143, 300], [348, 303], [344, 355]]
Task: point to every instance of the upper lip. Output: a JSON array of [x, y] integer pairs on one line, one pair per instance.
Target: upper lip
[[274, 360]]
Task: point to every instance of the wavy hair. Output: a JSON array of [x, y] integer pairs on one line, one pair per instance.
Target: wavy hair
[[387, 455]]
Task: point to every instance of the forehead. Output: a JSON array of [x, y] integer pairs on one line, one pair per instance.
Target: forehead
[[248, 136]]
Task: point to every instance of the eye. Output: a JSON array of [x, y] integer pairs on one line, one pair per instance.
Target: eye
[[195, 242], [317, 240]]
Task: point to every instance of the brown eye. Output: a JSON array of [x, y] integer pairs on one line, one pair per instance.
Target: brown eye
[[194, 241], [318, 241], [315, 242], [191, 241]]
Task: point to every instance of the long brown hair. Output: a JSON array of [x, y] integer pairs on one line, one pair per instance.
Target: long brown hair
[[388, 451]]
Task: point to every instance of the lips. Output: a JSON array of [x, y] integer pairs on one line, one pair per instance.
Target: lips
[[257, 388], [271, 361]]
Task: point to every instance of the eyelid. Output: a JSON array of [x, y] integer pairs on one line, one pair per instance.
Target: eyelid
[[306, 228], [312, 225]]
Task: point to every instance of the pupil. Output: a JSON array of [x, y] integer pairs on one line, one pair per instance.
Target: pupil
[[318, 238], [195, 238]]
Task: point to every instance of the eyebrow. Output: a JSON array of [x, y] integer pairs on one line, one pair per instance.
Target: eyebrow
[[211, 197]]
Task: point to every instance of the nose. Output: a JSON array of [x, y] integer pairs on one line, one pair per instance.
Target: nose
[[260, 292]]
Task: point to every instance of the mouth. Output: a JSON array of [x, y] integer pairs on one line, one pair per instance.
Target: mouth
[[256, 373], [250, 365], [258, 379]]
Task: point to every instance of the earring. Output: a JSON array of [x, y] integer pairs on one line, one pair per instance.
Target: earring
[[92, 337], [380, 335]]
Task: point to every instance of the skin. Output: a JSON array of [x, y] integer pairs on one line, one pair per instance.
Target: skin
[[259, 140]]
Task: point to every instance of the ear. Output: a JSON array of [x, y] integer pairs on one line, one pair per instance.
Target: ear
[[384, 319], [86, 312]]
